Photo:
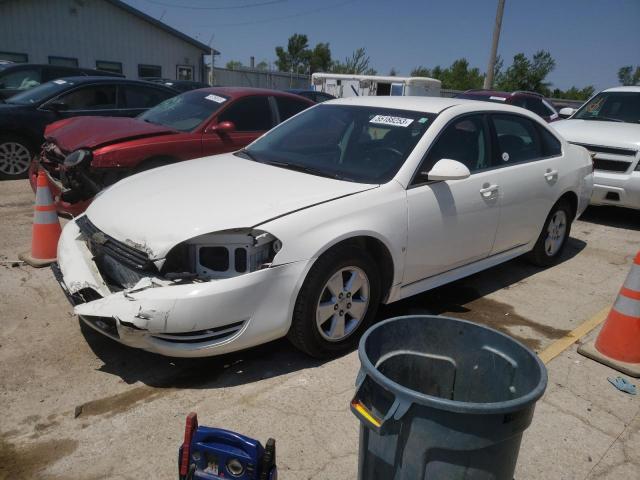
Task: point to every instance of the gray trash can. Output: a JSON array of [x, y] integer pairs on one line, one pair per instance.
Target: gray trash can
[[443, 399]]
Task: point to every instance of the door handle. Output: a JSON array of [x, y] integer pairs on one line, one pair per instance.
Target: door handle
[[487, 192], [551, 174]]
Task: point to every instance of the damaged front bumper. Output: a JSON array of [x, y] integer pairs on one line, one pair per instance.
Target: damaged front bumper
[[178, 318]]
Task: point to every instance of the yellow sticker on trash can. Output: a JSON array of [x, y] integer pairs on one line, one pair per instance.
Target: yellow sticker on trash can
[[362, 410]]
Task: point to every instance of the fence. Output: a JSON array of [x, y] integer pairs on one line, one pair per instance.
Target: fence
[[259, 79], [281, 81]]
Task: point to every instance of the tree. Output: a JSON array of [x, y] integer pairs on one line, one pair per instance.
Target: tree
[[627, 76], [421, 71], [574, 93], [458, 76], [262, 65], [297, 55], [392, 72], [357, 64], [525, 74], [320, 59], [234, 65]]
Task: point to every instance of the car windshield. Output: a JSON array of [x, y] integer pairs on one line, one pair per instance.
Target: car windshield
[[612, 107], [354, 143], [185, 112], [37, 95]]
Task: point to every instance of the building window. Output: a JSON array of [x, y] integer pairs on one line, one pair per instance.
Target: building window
[[63, 61], [14, 57], [113, 67], [184, 72], [149, 71]]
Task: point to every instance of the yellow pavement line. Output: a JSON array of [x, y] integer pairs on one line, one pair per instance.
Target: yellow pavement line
[[560, 345]]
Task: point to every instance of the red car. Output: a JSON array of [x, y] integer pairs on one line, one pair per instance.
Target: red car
[[86, 154], [530, 100]]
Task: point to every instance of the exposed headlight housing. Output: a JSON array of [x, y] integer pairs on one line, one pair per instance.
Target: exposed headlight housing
[[223, 254], [77, 157]]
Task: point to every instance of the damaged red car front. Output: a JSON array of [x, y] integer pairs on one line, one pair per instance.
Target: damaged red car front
[[84, 155]]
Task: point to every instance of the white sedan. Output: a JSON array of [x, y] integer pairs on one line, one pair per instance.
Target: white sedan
[[305, 232]]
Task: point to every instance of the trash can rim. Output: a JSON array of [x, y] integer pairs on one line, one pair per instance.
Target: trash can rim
[[454, 405]]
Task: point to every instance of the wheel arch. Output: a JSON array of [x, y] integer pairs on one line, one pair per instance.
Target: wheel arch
[[572, 199], [379, 252]]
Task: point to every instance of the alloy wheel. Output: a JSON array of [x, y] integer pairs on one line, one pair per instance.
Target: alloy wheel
[[556, 231], [343, 304], [15, 158]]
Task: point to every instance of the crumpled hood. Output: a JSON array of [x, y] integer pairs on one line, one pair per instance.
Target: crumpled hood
[[595, 132], [91, 132], [157, 209]]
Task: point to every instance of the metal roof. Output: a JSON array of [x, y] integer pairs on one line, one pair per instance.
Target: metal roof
[[163, 26]]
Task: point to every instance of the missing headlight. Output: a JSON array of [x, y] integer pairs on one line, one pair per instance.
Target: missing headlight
[[223, 254]]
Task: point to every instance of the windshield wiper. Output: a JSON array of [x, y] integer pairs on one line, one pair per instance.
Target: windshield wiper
[[304, 169], [246, 154], [605, 119]]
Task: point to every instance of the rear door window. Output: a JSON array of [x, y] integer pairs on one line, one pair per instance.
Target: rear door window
[[288, 107], [518, 139], [21, 79], [249, 114], [139, 97], [93, 97]]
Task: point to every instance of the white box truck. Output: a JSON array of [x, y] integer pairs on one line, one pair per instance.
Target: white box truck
[[347, 85]]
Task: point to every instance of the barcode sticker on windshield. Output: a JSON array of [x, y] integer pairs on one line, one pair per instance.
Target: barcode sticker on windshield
[[389, 120], [60, 82], [216, 98]]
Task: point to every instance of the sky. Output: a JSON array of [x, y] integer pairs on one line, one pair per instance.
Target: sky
[[589, 39]]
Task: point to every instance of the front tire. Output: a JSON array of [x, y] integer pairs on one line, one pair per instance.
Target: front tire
[[554, 235], [15, 157], [337, 302]]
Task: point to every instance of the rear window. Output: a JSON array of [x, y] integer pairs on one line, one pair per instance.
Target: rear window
[[39, 94], [288, 107], [185, 112]]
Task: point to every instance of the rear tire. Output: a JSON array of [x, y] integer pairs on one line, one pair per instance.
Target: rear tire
[[554, 235], [16, 155], [337, 302]]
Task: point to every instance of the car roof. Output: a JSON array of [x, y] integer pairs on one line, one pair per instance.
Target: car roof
[[99, 79], [500, 93], [419, 104], [237, 92], [631, 88]]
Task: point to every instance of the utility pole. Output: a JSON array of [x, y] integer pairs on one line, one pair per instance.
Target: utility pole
[[213, 58], [488, 79]]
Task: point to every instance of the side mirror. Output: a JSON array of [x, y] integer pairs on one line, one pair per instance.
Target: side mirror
[[447, 169], [223, 128], [57, 106], [566, 112]]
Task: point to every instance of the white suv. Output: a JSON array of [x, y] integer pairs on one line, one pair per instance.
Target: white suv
[[608, 125]]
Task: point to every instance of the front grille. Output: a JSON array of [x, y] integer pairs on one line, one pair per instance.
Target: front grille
[[610, 165], [101, 243], [611, 150], [121, 265], [202, 336]]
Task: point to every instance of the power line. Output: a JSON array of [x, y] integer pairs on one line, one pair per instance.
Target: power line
[[233, 7], [275, 19]]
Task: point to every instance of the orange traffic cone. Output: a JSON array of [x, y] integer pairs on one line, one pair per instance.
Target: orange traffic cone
[[618, 344], [46, 227]]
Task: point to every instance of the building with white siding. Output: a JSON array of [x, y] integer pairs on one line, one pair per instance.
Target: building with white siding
[[104, 34]]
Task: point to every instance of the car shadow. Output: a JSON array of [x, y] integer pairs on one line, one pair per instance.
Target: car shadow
[[280, 357], [612, 216], [134, 365]]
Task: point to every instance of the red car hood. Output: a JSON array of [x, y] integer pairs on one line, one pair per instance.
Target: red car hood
[[91, 132]]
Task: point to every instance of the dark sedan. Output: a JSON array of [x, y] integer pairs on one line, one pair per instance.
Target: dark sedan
[[24, 116], [312, 95]]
